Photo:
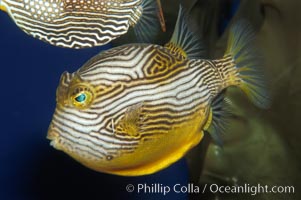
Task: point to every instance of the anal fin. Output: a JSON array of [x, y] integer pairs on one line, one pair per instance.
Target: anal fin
[[218, 118]]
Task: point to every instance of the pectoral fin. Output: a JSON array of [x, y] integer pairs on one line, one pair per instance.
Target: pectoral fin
[[130, 124]]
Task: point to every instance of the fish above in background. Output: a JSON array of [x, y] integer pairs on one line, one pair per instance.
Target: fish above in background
[[138, 108], [81, 24]]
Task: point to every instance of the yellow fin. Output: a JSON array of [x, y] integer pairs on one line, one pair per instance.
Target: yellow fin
[[185, 41]]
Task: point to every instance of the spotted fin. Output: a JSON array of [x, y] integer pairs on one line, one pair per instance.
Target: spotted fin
[[219, 114], [148, 26], [246, 73], [131, 122], [186, 41]]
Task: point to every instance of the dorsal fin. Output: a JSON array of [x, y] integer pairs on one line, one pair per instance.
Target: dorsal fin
[[184, 41], [217, 123]]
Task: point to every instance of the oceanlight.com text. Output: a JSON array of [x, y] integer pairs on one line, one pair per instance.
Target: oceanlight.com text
[[158, 188]]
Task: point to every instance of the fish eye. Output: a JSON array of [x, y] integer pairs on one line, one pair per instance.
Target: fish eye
[[81, 97]]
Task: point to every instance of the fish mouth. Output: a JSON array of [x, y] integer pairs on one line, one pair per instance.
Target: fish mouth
[[53, 135]]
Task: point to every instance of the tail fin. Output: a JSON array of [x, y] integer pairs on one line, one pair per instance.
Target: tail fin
[[247, 62]]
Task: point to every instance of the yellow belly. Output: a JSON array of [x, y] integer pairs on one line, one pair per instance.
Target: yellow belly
[[158, 153]]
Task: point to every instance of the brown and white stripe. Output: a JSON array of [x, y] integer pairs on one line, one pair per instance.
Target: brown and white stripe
[[74, 23], [171, 89]]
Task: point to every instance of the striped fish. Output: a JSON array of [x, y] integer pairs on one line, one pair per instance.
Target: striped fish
[[84, 23], [138, 108]]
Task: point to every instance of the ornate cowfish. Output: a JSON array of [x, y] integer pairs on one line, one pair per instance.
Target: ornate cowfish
[[83, 23], [136, 109]]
